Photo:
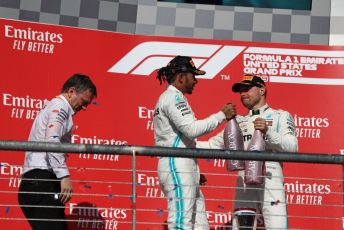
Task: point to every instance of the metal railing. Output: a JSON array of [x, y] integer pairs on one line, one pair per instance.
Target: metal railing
[[175, 152], [135, 151]]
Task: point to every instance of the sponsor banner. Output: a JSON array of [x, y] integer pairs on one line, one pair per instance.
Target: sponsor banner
[[307, 81], [85, 215]]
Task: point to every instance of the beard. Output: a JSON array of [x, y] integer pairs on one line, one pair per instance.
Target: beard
[[189, 88], [249, 103]]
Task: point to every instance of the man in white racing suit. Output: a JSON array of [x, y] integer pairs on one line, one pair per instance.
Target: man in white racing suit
[[279, 130], [175, 125], [45, 185]]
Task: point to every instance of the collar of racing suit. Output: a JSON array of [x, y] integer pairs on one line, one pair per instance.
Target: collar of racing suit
[[65, 100], [171, 87], [259, 111]]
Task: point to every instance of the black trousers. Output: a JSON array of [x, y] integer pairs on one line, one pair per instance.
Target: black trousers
[[36, 186]]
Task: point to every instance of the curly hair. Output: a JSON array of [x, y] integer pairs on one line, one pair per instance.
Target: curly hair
[[166, 74]]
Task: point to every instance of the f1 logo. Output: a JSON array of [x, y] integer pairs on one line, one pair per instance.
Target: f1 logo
[[149, 56]]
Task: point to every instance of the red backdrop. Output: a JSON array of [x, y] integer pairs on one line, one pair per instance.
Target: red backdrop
[[36, 59]]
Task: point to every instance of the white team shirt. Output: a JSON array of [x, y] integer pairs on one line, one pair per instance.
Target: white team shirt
[[54, 123]]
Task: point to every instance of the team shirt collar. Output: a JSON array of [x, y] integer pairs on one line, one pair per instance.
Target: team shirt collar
[[259, 111], [65, 100], [171, 87]]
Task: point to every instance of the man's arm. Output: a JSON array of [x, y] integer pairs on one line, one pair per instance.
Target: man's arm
[[57, 119], [215, 142], [182, 117]]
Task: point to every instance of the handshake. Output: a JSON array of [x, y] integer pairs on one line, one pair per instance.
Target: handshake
[[229, 110]]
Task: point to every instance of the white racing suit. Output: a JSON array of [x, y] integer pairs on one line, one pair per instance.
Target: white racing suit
[[176, 126], [270, 197]]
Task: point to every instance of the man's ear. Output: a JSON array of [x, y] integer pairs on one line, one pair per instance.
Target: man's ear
[[262, 91], [70, 91], [180, 78]]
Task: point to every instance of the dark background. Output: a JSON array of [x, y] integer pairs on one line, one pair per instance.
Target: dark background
[[282, 4]]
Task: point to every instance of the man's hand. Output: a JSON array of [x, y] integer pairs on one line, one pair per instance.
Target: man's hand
[[261, 125], [229, 110], [66, 190]]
